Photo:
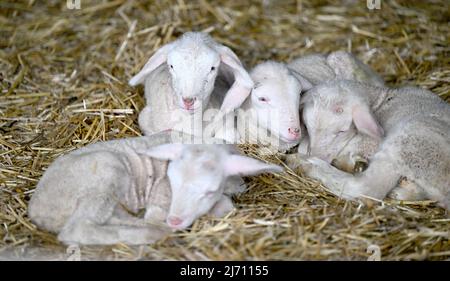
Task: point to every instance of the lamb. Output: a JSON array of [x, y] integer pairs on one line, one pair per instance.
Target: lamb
[[319, 68], [270, 115], [180, 77], [93, 195], [404, 133]]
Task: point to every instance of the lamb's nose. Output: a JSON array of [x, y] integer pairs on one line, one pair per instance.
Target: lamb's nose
[[174, 221], [294, 131], [188, 101]]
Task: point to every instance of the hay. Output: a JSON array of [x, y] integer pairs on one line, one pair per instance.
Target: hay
[[63, 82]]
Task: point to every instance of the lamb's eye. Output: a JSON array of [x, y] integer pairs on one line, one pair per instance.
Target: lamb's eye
[[213, 68], [263, 99], [171, 66]]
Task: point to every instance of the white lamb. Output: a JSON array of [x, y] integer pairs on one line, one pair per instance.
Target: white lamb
[[404, 133], [93, 195]]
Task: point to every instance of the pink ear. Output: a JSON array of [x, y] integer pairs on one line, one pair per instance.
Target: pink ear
[[242, 85], [366, 123], [156, 60], [164, 151], [237, 165]]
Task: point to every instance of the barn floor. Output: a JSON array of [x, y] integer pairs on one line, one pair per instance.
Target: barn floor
[[63, 85]]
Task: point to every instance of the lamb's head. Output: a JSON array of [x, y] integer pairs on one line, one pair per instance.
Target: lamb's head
[[193, 62], [275, 100], [197, 174], [193, 68], [334, 113]]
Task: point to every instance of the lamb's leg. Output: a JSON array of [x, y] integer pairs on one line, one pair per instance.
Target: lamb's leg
[[87, 232], [222, 207], [293, 160], [155, 214], [145, 121], [229, 132], [89, 225], [407, 190], [122, 217], [350, 163], [376, 182]]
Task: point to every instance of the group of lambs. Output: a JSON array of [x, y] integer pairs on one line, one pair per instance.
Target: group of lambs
[[333, 109]]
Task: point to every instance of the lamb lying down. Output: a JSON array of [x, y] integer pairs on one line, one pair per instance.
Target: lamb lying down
[[404, 133], [93, 195], [181, 78]]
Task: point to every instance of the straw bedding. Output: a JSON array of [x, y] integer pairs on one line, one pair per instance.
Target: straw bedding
[[63, 85]]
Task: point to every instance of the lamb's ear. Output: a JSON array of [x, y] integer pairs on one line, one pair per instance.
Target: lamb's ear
[[306, 85], [365, 122], [238, 165], [164, 151], [158, 58], [243, 83]]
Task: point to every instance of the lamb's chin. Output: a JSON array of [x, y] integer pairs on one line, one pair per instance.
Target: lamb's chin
[[190, 110]]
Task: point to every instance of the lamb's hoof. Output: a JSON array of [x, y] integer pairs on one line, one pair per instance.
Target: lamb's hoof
[[407, 190], [360, 166], [309, 165]]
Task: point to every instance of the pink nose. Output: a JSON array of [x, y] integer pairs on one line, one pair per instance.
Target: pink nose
[[188, 102], [174, 221], [294, 131]]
